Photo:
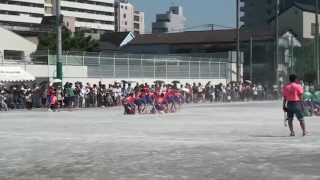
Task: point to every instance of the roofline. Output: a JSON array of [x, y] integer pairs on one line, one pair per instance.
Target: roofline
[[296, 5], [265, 36], [191, 43]]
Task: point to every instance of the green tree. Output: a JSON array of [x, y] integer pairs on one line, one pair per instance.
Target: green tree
[[70, 41]]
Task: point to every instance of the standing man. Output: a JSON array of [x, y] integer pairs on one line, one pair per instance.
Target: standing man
[[292, 97]]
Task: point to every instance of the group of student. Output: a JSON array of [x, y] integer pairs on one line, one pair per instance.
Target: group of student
[[146, 100]]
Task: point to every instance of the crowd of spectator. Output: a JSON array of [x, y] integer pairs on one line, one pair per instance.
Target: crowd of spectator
[[80, 95]]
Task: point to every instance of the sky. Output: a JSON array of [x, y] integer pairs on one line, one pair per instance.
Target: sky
[[197, 12]]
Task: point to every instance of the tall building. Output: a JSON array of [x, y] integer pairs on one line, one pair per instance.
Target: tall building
[[21, 15], [127, 18], [92, 15], [257, 14], [26, 15], [172, 21], [138, 22]]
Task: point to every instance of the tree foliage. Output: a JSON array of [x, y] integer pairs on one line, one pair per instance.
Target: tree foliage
[[70, 41]]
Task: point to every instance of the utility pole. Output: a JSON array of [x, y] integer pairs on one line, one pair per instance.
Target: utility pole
[[238, 41], [251, 58], [276, 58], [59, 40], [211, 27], [316, 42], [292, 55]]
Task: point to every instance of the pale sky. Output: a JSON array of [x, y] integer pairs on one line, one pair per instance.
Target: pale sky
[[197, 12]]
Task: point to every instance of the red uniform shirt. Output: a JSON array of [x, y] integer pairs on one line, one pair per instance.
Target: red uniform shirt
[[161, 100], [130, 99], [292, 92]]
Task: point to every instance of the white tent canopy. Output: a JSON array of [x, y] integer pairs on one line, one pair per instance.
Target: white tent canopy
[[14, 74]]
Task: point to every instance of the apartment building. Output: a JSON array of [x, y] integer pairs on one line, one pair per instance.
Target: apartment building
[[26, 15], [128, 19], [93, 15], [21, 15], [172, 21], [138, 22], [258, 13]]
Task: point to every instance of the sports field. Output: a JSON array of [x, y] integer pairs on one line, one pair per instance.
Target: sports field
[[208, 141]]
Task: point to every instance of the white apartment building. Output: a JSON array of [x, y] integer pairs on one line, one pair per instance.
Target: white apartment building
[[172, 21], [94, 15], [26, 15], [138, 22], [21, 15], [128, 19]]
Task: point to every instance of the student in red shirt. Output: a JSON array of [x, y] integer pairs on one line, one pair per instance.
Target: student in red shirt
[[54, 101], [292, 97], [128, 104], [160, 103]]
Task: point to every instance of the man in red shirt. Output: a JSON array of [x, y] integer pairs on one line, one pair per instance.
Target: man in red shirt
[[292, 97]]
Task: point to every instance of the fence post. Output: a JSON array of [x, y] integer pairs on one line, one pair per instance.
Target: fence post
[[67, 57], [99, 59], [219, 64], [189, 69], [48, 58], [166, 69], [114, 66], [210, 70], [141, 67], [2, 61], [154, 68], [48, 63], [128, 67], [83, 54], [177, 68], [199, 76]]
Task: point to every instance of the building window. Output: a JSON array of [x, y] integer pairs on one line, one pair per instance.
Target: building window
[[313, 29], [124, 16], [48, 10], [13, 55], [125, 23], [126, 7], [121, 6]]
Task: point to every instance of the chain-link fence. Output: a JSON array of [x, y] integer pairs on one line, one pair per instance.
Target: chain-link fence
[[146, 66], [115, 65]]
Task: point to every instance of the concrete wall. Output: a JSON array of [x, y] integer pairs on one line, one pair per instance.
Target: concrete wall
[[44, 71]]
